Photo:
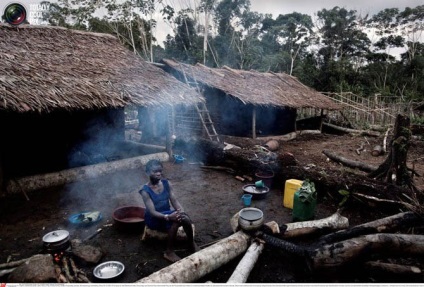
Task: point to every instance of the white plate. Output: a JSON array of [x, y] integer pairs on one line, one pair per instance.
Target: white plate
[[108, 270]]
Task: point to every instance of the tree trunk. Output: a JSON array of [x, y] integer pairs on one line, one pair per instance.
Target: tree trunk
[[40, 181], [197, 265], [340, 253], [387, 224], [395, 163], [333, 222], [350, 163], [392, 268], [243, 269], [359, 248]]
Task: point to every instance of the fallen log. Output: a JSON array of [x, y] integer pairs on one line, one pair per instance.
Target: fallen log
[[40, 181], [245, 266], [350, 163], [197, 265], [333, 222], [392, 268], [387, 224], [353, 131], [340, 253], [354, 249]]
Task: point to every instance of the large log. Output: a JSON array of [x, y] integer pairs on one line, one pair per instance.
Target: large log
[[354, 249], [353, 131], [393, 268], [197, 265], [348, 162], [387, 224], [246, 264], [284, 167], [40, 181], [340, 253], [333, 222]]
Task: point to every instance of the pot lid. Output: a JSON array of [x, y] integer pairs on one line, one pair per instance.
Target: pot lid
[[251, 213], [55, 236]]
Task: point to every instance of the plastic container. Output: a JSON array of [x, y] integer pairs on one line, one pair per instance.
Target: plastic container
[[266, 177], [247, 199], [291, 186], [303, 210]]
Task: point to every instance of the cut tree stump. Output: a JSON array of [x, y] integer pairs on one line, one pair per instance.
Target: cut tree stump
[[395, 162]]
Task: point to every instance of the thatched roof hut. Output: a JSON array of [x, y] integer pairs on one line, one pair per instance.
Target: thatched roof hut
[[252, 87], [46, 68], [250, 102]]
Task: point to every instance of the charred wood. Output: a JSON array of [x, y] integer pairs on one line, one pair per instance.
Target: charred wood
[[390, 268], [388, 224]]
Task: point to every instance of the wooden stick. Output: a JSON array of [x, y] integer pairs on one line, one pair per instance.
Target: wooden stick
[[18, 262], [68, 275]]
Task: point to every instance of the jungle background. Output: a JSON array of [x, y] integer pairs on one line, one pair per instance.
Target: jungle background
[[337, 51]]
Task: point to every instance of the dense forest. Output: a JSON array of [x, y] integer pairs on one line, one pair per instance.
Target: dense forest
[[339, 50]]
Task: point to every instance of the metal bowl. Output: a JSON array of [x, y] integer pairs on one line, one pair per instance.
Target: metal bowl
[[256, 192], [108, 270]]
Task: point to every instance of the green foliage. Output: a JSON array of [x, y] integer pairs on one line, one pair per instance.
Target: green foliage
[[334, 55], [345, 194]]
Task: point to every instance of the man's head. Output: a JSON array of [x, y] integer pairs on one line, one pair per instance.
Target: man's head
[[152, 165]]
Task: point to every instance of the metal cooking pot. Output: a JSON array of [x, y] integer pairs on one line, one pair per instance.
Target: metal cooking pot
[[56, 240], [250, 218]]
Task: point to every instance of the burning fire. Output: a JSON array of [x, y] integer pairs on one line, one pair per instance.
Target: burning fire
[[58, 256]]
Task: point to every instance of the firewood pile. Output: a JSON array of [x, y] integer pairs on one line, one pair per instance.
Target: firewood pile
[[68, 272], [57, 266]]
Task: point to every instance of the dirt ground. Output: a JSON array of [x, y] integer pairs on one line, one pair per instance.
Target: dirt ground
[[210, 197]]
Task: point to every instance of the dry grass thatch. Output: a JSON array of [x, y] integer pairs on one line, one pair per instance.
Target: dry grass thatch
[[46, 68], [251, 87]]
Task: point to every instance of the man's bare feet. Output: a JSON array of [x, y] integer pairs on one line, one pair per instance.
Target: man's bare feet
[[171, 256]]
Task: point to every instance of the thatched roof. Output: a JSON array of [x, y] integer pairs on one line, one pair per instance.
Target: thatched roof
[[45, 68], [251, 87]]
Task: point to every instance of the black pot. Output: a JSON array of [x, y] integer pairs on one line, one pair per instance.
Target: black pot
[[57, 240]]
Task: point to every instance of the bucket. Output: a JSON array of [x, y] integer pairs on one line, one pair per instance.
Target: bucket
[[266, 177], [247, 199]]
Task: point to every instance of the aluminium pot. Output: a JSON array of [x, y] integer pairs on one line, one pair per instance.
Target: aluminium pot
[[57, 240], [250, 219]]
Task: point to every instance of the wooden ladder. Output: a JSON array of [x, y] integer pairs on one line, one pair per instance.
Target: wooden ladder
[[201, 108]]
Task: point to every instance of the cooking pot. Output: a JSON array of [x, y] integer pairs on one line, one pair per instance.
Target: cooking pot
[[250, 218], [57, 240]]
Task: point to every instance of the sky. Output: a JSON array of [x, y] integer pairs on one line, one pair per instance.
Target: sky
[[274, 7]]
